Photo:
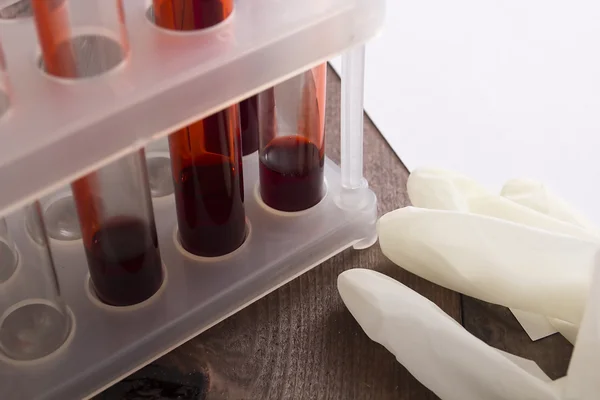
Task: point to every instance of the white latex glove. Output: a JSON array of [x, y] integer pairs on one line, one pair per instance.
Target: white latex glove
[[522, 201], [536, 196], [433, 347], [491, 259], [451, 362], [446, 190], [582, 381], [526, 250]]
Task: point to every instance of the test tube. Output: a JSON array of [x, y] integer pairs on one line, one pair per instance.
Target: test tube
[[113, 204], [292, 141], [206, 157], [118, 231], [191, 15], [4, 86], [80, 39], [249, 122], [34, 321], [8, 250], [9, 257]]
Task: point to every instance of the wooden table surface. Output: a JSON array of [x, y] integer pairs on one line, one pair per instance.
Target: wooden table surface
[[300, 342]]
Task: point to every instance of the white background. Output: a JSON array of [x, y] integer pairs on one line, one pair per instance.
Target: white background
[[495, 89]]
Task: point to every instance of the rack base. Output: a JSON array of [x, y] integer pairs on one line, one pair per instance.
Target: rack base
[[110, 343]]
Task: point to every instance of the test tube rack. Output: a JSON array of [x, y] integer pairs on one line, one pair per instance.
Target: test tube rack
[[57, 131]]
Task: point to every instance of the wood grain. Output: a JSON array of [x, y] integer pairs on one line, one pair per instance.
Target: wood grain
[[497, 326], [300, 342]]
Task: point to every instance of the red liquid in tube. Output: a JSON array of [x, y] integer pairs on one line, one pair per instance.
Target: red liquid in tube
[[206, 156], [292, 164], [113, 203], [124, 261], [249, 121], [206, 161], [121, 249], [211, 211], [186, 15], [291, 174]]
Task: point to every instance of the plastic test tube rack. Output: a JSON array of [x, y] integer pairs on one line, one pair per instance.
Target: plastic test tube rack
[[76, 127]]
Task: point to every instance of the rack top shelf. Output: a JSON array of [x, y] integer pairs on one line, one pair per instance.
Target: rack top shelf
[[59, 130]]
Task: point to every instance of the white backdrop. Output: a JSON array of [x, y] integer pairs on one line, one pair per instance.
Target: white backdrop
[[495, 89]]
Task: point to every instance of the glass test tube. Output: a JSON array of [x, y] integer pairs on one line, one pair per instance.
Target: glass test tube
[[191, 15], [249, 122], [292, 141], [80, 39], [206, 157], [113, 204], [9, 257], [8, 250], [4, 87], [34, 319], [118, 231]]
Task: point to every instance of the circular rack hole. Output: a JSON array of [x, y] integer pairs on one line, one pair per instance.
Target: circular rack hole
[[159, 175], [18, 10], [86, 56], [60, 217], [190, 20], [191, 256], [90, 291], [32, 330], [266, 207]]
